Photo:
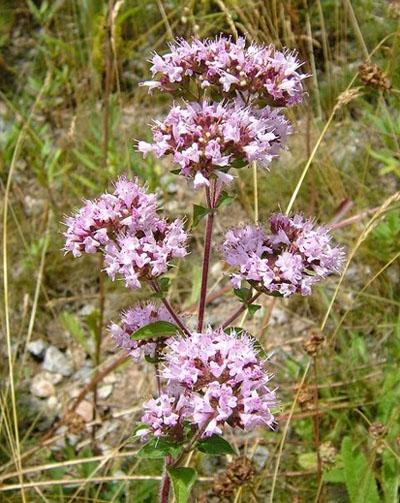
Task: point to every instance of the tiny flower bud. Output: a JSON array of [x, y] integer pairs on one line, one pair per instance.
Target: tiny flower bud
[[327, 453]]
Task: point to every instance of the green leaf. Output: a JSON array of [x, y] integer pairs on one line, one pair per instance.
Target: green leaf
[[253, 308], [182, 479], [214, 446], [176, 171], [360, 481], [156, 329], [335, 476], [199, 212], [164, 283], [308, 460], [159, 448], [151, 360], [73, 326], [224, 199], [239, 164], [242, 293]]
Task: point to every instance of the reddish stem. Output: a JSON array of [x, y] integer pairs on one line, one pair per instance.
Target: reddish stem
[[166, 482], [241, 310], [156, 287], [206, 265]]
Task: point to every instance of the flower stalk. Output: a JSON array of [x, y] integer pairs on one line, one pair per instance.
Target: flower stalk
[[206, 265]]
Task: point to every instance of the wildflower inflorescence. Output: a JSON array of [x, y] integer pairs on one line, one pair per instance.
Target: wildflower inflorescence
[[231, 115], [126, 227], [206, 139], [213, 378], [229, 67], [289, 260], [133, 319]]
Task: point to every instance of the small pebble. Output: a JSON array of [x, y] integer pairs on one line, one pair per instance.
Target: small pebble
[[56, 362], [104, 392], [85, 410], [42, 387], [37, 348]]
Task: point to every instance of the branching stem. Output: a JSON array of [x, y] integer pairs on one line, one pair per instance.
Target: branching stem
[[242, 308], [156, 287]]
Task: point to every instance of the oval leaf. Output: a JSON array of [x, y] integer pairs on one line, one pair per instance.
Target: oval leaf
[[199, 212], [182, 479], [215, 445], [242, 293], [156, 329], [159, 448], [225, 199], [253, 308]]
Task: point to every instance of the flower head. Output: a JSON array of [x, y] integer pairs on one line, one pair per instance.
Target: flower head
[[128, 208], [126, 227], [145, 254], [289, 260], [221, 379], [229, 67], [132, 320], [206, 139], [165, 414]]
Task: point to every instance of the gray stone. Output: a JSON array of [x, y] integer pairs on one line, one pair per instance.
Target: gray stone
[[42, 387], [85, 410], [56, 362], [84, 374], [104, 392], [37, 348]]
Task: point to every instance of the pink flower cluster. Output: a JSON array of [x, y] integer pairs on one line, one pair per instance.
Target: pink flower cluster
[[125, 226], [145, 254], [134, 318], [289, 260], [213, 378], [229, 67], [206, 139]]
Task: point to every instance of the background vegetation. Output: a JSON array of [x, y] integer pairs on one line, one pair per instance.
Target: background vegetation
[[70, 109]]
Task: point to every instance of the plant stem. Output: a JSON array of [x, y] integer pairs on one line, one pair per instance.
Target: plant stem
[[193, 442], [165, 482], [206, 265], [156, 287], [316, 432], [242, 308], [212, 196], [158, 380], [99, 336], [107, 83]]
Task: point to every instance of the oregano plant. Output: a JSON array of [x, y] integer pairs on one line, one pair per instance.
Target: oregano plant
[[228, 112]]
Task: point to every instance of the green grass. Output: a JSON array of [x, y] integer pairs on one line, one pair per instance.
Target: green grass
[[52, 82]]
